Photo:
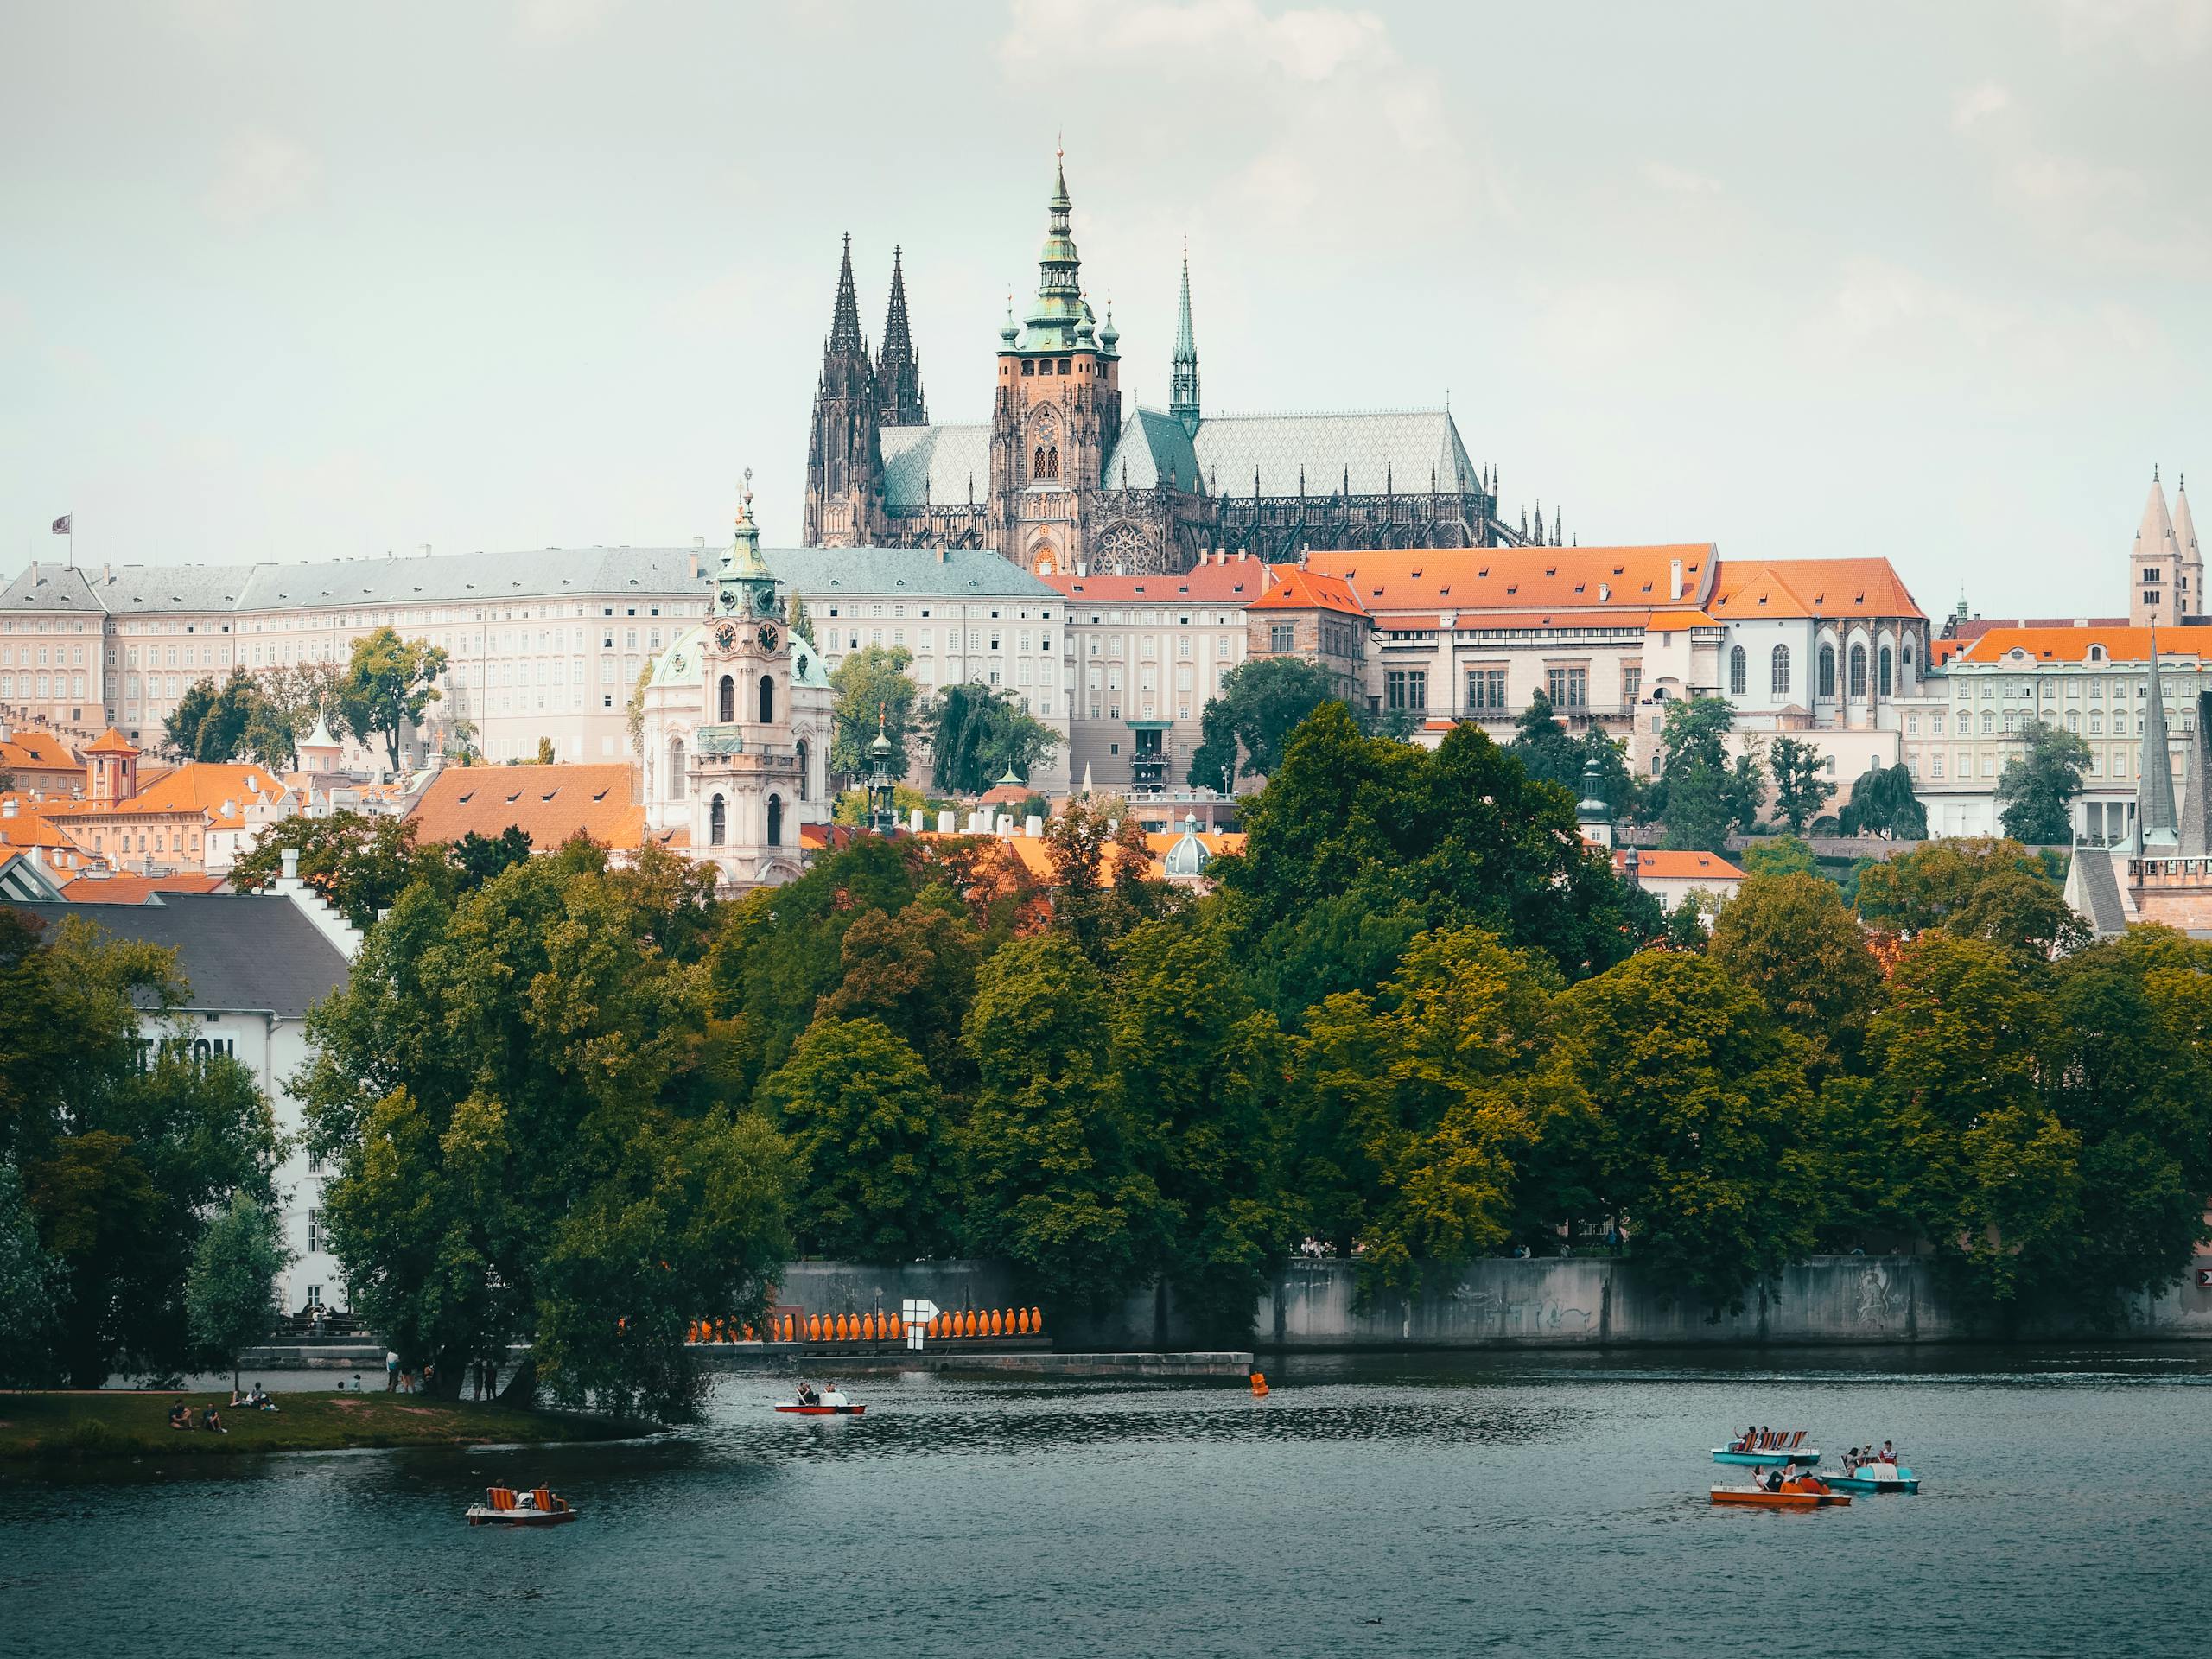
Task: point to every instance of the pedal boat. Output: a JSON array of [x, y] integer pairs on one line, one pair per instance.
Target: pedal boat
[[1875, 1478], [1807, 1456], [831, 1403], [538, 1507], [1798, 1492]]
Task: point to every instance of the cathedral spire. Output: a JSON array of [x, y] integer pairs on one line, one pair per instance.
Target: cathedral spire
[[1183, 385], [2158, 823], [845, 324], [897, 371], [1060, 273]]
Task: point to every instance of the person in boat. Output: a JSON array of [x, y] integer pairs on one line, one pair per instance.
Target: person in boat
[[807, 1395], [1889, 1453], [1772, 1482]]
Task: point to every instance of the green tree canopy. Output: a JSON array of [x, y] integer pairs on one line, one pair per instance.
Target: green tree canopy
[[360, 863], [861, 1113], [1547, 752], [30, 1280], [1883, 802], [982, 734], [1242, 730], [871, 683], [1801, 784], [229, 1294], [1789, 938], [2035, 790], [388, 684], [1925, 887], [1778, 856], [1701, 794], [1358, 843], [535, 1128]]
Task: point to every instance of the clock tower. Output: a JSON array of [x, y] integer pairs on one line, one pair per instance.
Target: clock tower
[[749, 764]]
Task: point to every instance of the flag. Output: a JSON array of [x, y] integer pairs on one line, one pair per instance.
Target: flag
[[61, 524]]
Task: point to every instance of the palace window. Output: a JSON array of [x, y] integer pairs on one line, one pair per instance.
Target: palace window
[[1486, 689], [1278, 636], [1407, 689], [767, 699], [775, 820], [1738, 675], [1885, 678], [802, 769], [1778, 671], [1827, 670], [675, 769], [1568, 687], [1631, 685]]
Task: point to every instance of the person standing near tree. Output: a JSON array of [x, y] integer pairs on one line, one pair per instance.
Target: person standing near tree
[[390, 1372]]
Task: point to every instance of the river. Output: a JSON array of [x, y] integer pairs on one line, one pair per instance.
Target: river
[[1408, 1504]]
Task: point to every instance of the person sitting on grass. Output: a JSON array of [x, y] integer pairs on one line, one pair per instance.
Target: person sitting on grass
[[212, 1421], [259, 1401], [180, 1414]]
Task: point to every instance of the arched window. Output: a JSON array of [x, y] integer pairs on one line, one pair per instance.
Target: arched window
[[1858, 670], [1037, 463], [775, 820], [726, 700], [1907, 654], [767, 699], [1884, 681], [1738, 678], [1827, 670], [717, 822], [1778, 676], [1053, 462], [675, 768], [802, 768]]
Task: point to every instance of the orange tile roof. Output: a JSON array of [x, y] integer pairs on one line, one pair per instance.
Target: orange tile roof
[[125, 889], [1808, 587], [1675, 621], [1233, 582], [549, 803], [41, 750], [1308, 590], [1520, 578], [1654, 863], [111, 741], [199, 787], [28, 829], [2122, 645]]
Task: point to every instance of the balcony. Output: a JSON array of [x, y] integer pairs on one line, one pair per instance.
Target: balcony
[[729, 743]]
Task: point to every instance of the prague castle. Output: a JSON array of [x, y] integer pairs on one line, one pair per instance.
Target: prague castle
[[1065, 477]]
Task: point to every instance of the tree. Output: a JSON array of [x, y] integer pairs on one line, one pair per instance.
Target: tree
[[123, 1151], [291, 698], [863, 1118], [31, 1280], [1696, 811], [1261, 703], [360, 863], [1801, 784], [536, 1130], [913, 972], [1778, 856], [2025, 914], [181, 730], [982, 734], [2037, 786], [1701, 793], [1359, 843], [1700, 1110], [1546, 749], [1789, 938], [871, 684], [388, 684], [1101, 874], [1925, 887], [1053, 1171], [476, 858], [544, 756], [230, 1295], [800, 619], [1883, 803]]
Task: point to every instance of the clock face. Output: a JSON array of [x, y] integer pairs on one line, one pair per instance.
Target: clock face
[[767, 636], [725, 636]]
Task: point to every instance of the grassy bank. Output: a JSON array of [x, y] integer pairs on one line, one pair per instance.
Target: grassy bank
[[116, 1423]]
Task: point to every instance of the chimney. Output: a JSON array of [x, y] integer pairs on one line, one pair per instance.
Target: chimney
[[1604, 593], [8, 808], [1675, 580], [946, 823], [291, 858], [943, 556], [1032, 826], [915, 823]]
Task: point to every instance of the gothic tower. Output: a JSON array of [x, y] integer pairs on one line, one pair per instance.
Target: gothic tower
[[844, 448], [1057, 410], [897, 371], [2153, 565], [2189, 557], [1183, 383]]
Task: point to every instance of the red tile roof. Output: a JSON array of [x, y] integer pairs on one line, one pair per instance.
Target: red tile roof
[[2070, 645], [1604, 579], [1235, 581], [549, 803], [1808, 587], [1654, 863], [127, 889], [111, 741], [1308, 590]]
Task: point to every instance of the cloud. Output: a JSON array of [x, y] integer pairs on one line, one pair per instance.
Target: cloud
[[556, 22], [263, 174], [1977, 104], [1679, 181]]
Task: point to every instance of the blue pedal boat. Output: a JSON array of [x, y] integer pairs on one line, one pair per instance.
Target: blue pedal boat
[[1807, 1455], [1872, 1480]]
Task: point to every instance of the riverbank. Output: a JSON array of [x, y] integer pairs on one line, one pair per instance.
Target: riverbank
[[129, 1423]]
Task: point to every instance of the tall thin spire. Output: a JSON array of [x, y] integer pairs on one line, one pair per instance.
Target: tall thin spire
[[2157, 822], [1060, 305], [897, 371], [1183, 385], [845, 324]]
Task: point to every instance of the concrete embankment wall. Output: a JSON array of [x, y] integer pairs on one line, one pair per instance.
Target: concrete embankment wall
[[1584, 1300]]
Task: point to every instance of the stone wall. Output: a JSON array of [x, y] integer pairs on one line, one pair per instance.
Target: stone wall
[[1581, 1300]]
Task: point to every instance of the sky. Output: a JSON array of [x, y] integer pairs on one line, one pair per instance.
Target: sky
[[1930, 281]]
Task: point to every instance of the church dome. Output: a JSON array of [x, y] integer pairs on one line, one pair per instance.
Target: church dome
[[1188, 857]]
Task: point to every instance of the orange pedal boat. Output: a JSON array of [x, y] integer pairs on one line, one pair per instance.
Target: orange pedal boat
[[1802, 1492]]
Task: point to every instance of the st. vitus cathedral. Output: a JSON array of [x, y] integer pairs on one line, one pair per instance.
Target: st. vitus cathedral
[[1064, 477]]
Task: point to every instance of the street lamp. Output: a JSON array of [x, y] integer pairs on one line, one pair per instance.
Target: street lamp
[[882, 801]]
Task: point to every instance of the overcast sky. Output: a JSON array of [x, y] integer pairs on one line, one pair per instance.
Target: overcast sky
[[1931, 280]]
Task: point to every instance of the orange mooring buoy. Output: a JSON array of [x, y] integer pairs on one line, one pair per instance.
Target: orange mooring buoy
[[1259, 1385]]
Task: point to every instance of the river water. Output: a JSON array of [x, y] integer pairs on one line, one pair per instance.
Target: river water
[[1497, 1504]]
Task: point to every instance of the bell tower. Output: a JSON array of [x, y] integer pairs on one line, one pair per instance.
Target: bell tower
[[746, 767], [1057, 408]]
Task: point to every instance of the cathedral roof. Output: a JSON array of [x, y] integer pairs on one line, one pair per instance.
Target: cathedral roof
[[903, 573], [1153, 449], [947, 465], [1320, 454]]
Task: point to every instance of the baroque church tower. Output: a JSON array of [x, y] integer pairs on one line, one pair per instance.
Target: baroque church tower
[[845, 450], [1058, 412]]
